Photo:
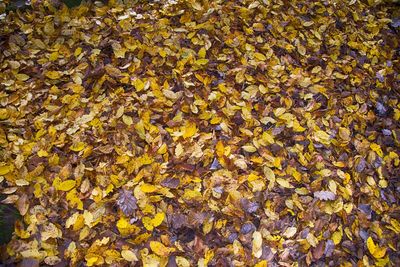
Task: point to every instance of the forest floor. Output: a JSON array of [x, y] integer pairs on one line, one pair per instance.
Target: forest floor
[[209, 133]]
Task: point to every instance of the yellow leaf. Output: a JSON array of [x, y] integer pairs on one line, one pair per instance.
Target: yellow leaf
[[202, 52], [4, 114], [301, 49], [267, 137], [127, 120], [219, 148], [6, 169], [139, 85], [377, 148], [21, 77], [53, 56], [337, 237], [297, 127], [92, 260], [375, 250], [202, 61], [312, 240], [260, 56], [252, 177], [379, 253], [262, 263], [159, 249], [78, 146], [87, 152], [284, 183], [73, 199], [66, 185], [139, 127], [129, 255], [371, 245], [76, 88], [42, 153], [196, 6], [122, 159], [182, 262], [189, 129], [21, 182], [249, 148], [125, 228], [77, 51], [325, 172], [158, 219], [148, 188], [395, 226], [163, 149], [88, 218], [191, 194], [279, 111], [52, 74], [162, 53], [147, 223], [241, 163], [208, 256], [322, 137], [119, 51], [270, 175]]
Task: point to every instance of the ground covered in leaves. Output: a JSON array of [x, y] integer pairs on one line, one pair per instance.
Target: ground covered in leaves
[[220, 133]]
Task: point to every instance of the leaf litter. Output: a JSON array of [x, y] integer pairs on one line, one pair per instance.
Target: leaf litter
[[208, 133]]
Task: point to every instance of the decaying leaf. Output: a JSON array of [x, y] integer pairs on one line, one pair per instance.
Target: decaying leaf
[[127, 202], [324, 195]]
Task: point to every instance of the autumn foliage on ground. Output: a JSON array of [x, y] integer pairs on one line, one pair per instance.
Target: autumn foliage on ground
[[209, 133]]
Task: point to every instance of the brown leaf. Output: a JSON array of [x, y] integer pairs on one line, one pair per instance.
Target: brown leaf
[[126, 202]]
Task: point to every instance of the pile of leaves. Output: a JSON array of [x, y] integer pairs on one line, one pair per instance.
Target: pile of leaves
[[208, 133]]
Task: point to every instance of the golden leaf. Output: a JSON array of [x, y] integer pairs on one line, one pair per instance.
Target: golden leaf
[[127, 120], [78, 146], [375, 250], [260, 56], [6, 169], [220, 149], [337, 237], [249, 148], [162, 149], [158, 219], [377, 148], [262, 263], [21, 77], [159, 249], [129, 255], [189, 130], [66, 185], [201, 61], [182, 262], [284, 183], [148, 188], [52, 74], [139, 85], [322, 137], [202, 52], [125, 228]]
